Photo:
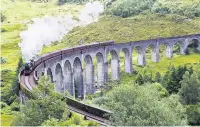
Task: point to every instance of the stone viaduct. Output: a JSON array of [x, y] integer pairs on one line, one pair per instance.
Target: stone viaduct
[[74, 72]]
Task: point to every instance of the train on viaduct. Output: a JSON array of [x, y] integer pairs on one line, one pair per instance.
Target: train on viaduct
[[73, 69]]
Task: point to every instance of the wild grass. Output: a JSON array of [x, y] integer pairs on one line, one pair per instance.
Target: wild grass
[[6, 120]]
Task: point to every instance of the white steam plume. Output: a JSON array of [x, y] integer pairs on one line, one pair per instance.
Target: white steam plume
[[48, 29]]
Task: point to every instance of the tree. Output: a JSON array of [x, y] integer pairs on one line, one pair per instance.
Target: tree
[[141, 105], [193, 113], [172, 78], [190, 90], [144, 78], [43, 105]]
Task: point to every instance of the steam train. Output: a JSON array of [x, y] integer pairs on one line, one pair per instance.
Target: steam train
[[29, 67]]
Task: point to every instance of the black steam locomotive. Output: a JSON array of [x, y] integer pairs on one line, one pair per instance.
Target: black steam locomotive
[[28, 67]]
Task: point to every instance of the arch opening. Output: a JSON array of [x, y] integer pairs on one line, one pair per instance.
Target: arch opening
[[151, 53], [50, 75], [125, 61], [193, 47], [178, 48], [59, 78], [78, 79], [165, 50]]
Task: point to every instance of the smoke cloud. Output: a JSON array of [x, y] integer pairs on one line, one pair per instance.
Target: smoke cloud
[[48, 29]]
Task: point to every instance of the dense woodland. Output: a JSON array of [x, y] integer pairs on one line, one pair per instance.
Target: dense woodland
[[170, 95]]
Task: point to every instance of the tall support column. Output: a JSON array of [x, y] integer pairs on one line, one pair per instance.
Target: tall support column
[[169, 51], [128, 68], [78, 78], [106, 71], [89, 79], [155, 56], [100, 73], [59, 79], [141, 58], [115, 69], [68, 85], [128, 65]]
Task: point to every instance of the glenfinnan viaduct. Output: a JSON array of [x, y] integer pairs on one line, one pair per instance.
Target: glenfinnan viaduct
[[73, 69]]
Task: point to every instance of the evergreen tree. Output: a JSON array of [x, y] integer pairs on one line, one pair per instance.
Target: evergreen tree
[[172, 78], [190, 90]]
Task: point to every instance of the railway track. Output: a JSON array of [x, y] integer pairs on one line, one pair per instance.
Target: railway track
[[28, 82]]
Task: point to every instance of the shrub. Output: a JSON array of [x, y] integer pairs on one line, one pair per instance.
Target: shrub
[[3, 60], [50, 122], [3, 104], [144, 78], [15, 106], [3, 17]]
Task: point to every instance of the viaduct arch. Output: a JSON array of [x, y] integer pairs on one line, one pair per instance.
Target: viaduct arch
[[66, 67]]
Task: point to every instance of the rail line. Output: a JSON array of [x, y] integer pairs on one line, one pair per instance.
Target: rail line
[[29, 82]]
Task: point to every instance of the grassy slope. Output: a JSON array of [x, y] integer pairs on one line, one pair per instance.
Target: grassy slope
[[6, 120], [19, 13], [129, 29]]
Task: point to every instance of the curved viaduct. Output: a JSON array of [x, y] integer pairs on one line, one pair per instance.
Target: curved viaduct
[[73, 69]]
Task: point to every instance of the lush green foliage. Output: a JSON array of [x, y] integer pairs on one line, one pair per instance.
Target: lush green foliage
[[73, 121], [190, 88], [47, 108], [144, 78], [44, 105], [172, 78], [72, 1], [7, 94], [193, 113], [126, 8], [143, 105], [189, 8], [3, 60]]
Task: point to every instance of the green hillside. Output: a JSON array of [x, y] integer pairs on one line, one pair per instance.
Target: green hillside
[[141, 27], [120, 22]]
